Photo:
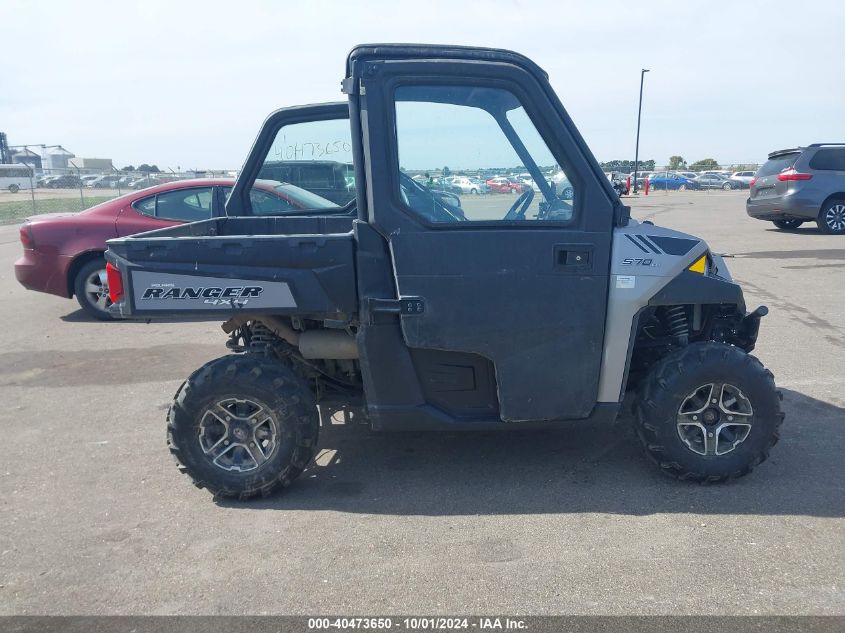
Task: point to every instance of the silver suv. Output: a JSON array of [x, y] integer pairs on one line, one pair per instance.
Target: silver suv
[[801, 185]]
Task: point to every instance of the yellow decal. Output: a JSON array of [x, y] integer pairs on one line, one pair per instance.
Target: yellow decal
[[699, 265]]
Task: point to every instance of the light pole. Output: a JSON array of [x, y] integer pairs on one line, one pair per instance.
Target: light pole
[[639, 115]]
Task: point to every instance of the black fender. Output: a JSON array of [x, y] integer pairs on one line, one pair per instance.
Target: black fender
[[695, 288]]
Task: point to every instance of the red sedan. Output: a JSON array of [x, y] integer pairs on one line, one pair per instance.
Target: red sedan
[[500, 184], [63, 252]]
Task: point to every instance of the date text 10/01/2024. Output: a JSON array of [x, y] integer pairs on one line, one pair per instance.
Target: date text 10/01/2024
[[417, 623]]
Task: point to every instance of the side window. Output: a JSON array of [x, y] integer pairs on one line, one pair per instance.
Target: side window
[[483, 134], [279, 199], [184, 205], [147, 206], [829, 159], [309, 166]]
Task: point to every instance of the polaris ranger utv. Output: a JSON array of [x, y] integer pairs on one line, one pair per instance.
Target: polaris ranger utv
[[505, 310]]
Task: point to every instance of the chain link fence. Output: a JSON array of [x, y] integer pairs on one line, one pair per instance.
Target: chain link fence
[[24, 193]]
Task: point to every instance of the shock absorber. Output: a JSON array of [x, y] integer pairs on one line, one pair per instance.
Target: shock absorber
[[260, 337], [676, 323]]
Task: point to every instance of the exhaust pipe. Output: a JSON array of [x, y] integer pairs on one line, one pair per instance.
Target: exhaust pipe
[[312, 344], [334, 344]]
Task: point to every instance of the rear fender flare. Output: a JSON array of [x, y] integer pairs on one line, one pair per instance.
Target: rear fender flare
[[78, 262]]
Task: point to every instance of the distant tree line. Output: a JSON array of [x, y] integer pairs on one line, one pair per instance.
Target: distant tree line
[[150, 169], [627, 165], [675, 162]]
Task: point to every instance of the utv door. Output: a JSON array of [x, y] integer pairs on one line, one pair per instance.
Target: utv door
[[500, 296]]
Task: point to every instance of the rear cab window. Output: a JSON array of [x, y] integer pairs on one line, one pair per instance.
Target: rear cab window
[[308, 169]]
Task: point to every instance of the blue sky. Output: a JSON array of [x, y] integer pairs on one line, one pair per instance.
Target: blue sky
[[187, 84]]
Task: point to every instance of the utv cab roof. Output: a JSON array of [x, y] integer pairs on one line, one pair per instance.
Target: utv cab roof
[[364, 52]]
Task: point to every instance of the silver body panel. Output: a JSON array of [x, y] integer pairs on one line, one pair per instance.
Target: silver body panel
[[639, 268]]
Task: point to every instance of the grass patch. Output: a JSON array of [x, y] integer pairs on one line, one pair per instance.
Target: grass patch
[[14, 211]]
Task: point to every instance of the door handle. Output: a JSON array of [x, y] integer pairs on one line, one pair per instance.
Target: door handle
[[573, 257]]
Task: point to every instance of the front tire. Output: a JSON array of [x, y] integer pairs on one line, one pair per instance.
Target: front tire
[[243, 425], [91, 289], [787, 225], [831, 218], [14, 188], [726, 187], [708, 413]]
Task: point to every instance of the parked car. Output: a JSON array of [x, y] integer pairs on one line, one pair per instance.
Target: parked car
[[65, 181], [63, 252], [674, 182], [143, 183], [326, 178], [803, 184], [87, 178], [744, 176], [687, 174], [713, 181], [737, 183], [108, 181], [469, 185], [444, 185], [501, 184], [619, 182]]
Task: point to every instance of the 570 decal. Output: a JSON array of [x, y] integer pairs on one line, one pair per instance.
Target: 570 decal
[[638, 261]]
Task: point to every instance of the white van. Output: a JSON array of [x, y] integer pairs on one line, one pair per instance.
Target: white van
[[16, 177]]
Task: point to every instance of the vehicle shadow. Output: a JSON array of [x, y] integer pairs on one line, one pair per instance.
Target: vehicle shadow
[[80, 316], [808, 228], [577, 468]]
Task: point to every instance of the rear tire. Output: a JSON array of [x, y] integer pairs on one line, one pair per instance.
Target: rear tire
[[726, 187], [14, 188], [730, 434], [210, 434], [91, 288], [787, 225], [831, 218]]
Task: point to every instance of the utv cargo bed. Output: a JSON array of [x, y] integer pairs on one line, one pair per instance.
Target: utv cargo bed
[[245, 265]]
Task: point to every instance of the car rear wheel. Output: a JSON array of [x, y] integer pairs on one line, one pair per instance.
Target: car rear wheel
[[787, 224], [14, 188], [727, 187], [831, 219], [567, 193], [473, 191], [91, 288]]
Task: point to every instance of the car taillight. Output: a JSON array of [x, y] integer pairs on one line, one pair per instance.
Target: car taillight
[[791, 174], [26, 236], [753, 180], [115, 282]]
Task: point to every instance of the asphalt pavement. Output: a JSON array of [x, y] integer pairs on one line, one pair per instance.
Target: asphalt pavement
[[96, 519]]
